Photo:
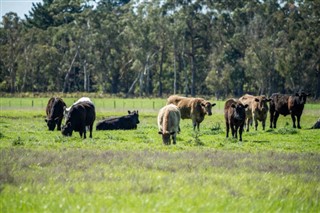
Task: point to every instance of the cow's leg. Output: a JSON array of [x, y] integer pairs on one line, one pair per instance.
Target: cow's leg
[[198, 126], [298, 121], [91, 127], [59, 124], [263, 124], [271, 118], [248, 123], [194, 124], [174, 138], [276, 116], [293, 120], [240, 132], [233, 131], [256, 123], [236, 132], [227, 129]]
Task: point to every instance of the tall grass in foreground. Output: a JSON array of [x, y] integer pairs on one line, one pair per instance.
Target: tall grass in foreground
[[276, 170]]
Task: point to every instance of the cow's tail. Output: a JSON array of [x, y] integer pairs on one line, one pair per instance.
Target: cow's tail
[[165, 127]]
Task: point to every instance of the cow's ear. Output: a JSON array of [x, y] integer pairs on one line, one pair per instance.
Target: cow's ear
[[256, 99], [160, 133], [233, 105], [213, 104], [245, 106]]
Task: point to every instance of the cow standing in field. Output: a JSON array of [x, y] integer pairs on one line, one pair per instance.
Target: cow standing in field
[[192, 108], [235, 116], [80, 100], [257, 110], [126, 122], [282, 104], [80, 115], [54, 111], [169, 123]]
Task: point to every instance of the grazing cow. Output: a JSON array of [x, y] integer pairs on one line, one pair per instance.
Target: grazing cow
[[54, 111], [129, 121], [194, 108], [257, 109], [80, 115], [168, 123], [235, 115], [282, 104], [83, 99]]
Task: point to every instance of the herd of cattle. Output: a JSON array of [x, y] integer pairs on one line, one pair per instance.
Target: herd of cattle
[[237, 113]]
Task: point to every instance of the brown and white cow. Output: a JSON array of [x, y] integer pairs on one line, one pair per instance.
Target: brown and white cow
[[169, 123], [235, 116], [257, 110], [54, 112], [283, 104], [192, 108]]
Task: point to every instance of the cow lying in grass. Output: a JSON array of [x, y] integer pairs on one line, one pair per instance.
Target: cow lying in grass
[[126, 122], [192, 108], [80, 115], [235, 116], [54, 111], [257, 110], [169, 123]]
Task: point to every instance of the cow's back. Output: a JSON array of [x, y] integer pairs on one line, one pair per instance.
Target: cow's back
[[169, 118], [81, 113]]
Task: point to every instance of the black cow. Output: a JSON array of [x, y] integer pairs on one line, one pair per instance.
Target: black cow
[[54, 111], [235, 116], [129, 121], [80, 115], [287, 104]]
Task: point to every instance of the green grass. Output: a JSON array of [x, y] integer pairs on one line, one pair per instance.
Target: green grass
[[132, 171]]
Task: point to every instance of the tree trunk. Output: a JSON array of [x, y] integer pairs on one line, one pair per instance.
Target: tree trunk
[[67, 77], [160, 72]]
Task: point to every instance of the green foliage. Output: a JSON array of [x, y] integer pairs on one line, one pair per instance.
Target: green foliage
[[152, 48]]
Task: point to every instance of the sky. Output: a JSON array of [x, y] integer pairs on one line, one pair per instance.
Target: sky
[[21, 7]]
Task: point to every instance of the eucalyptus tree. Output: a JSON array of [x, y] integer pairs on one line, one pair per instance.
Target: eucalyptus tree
[[10, 47]]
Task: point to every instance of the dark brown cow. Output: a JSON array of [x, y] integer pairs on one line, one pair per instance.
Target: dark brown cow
[[282, 104], [54, 111], [235, 116], [80, 115]]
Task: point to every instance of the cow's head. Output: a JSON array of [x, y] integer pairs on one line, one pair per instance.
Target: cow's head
[[166, 139], [207, 106], [262, 103], [239, 111], [135, 116], [51, 123], [67, 129], [302, 97]]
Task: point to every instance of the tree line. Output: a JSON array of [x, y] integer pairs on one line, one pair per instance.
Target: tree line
[[152, 48]]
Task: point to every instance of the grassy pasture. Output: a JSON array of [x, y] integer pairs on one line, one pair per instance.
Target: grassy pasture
[[131, 171]]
